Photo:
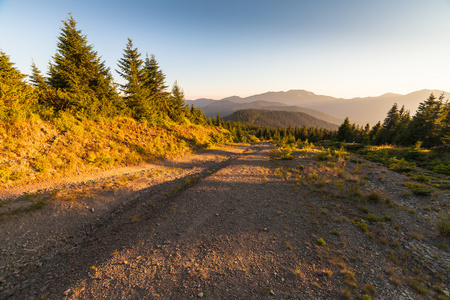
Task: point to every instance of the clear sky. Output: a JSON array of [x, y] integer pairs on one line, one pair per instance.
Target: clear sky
[[220, 48]]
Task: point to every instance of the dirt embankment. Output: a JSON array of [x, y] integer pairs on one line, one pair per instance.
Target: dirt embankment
[[227, 224]]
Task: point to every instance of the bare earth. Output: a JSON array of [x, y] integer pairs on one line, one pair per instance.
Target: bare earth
[[225, 224]]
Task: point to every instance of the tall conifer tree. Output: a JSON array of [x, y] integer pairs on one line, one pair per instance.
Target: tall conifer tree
[[15, 93], [177, 105], [84, 82], [137, 94], [156, 84], [430, 121]]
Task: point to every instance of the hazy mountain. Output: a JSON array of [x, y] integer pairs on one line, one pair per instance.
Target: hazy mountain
[[200, 103], [273, 118], [226, 107], [373, 109], [334, 110]]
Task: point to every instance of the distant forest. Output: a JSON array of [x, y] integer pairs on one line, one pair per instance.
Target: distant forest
[[430, 126]]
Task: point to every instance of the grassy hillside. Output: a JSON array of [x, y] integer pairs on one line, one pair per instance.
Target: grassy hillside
[[278, 119], [33, 149]]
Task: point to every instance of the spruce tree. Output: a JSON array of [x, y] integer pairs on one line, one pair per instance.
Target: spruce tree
[[47, 95], [177, 104], [345, 131], [84, 83], [15, 93], [131, 69], [156, 84], [430, 122], [374, 133], [389, 125], [138, 96], [36, 79], [156, 77]]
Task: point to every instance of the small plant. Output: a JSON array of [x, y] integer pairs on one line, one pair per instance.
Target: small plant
[[288, 245], [346, 293], [37, 205], [401, 165], [136, 218], [363, 226], [324, 155], [284, 153], [444, 226], [416, 235], [297, 272], [374, 197], [321, 242], [367, 297], [418, 286], [372, 218], [422, 191], [423, 178], [335, 232], [369, 289]]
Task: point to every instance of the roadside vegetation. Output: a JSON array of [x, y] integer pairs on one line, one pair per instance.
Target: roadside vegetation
[[76, 119], [344, 193]]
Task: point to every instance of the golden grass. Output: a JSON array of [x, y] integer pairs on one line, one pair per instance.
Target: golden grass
[[34, 149]]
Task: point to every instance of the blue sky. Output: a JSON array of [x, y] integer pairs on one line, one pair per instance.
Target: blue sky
[[215, 49]]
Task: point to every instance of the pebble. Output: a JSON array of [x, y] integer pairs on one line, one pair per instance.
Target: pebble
[[92, 209], [200, 295]]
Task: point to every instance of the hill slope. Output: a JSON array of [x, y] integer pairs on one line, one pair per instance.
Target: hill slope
[[272, 118]]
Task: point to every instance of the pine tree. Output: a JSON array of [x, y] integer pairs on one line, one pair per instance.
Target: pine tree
[[430, 122], [374, 133], [177, 106], [15, 93], [47, 95], [345, 131], [156, 78], [389, 125], [401, 130], [36, 79], [77, 72], [131, 69], [138, 96], [156, 84]]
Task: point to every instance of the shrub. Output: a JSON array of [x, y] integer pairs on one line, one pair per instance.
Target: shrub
[[321, 242], [443, 169], [284, 153], [324, 155], [372, 218], [374, 197], [401, 165], [444, 226], [422, 191]]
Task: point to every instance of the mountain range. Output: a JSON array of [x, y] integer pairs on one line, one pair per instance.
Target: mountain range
[[327, 108]]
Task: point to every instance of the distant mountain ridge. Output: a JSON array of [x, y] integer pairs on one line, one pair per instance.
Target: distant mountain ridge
[[333, 110], [272, 118]]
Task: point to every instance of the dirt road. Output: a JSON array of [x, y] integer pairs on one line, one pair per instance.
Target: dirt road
[[228, 224]]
